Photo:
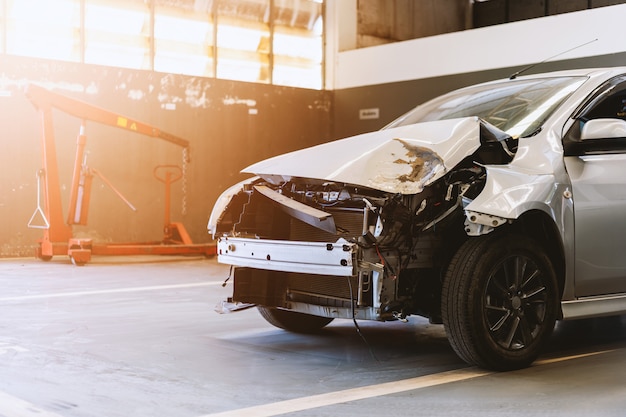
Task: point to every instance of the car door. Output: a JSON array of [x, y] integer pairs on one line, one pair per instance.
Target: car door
[[595, 158]]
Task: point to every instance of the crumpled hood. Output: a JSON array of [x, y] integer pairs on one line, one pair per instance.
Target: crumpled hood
[[398, 160]]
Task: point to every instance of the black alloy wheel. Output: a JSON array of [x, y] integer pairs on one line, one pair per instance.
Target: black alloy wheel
[[499, 301]]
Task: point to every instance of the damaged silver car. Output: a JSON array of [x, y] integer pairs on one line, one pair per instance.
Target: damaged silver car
[[496, 210]]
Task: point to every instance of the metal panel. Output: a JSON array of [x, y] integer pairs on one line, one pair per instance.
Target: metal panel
[[594, 307], [288, 256]]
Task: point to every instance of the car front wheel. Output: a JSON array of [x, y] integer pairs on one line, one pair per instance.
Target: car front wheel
[[499, 301], [293, 321]]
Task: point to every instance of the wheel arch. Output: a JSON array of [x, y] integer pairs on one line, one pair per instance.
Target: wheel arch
[[482, 319], [540, 226]]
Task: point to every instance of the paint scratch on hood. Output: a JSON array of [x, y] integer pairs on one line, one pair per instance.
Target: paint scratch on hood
[[424, 163], [400, 166]]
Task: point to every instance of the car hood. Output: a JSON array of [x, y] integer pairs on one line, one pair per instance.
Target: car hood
[[399, 160]]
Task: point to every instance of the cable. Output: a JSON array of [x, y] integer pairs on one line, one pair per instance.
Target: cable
[[356, 325], [230, 274]]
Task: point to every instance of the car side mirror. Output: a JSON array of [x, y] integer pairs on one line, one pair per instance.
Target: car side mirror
[[603, 129]]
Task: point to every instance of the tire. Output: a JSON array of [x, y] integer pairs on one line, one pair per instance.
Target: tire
[[293, 321], [499, 301]]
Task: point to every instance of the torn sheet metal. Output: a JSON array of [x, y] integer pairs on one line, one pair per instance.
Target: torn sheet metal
[[400, 160], [510, 192], [228, 306], [309, 215]]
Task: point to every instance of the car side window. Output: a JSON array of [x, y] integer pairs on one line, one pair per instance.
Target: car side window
[[606, 104], [613, 107]]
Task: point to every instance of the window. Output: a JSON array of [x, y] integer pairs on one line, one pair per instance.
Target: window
[[517, 107], [43, 29], [183, 38], [243, 40], [117, 33], [298, 43], [607, 102], [264, 41], [2, 27]]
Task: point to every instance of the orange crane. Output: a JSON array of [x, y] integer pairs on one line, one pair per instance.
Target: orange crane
[[57, 233]]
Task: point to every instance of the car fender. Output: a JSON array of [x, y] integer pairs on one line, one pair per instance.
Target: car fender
[[534, 180], [510, 192], [223, 201]]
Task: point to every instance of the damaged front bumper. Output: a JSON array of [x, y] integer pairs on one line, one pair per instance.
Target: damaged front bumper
[[336, 265], [280, 255]]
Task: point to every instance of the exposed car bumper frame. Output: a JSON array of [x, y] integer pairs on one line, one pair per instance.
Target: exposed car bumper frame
[[289, 256]]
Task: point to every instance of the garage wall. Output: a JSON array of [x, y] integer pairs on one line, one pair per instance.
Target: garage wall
[[385, 21], [232, 124], [374, 85], [229, 125], [495, 12]]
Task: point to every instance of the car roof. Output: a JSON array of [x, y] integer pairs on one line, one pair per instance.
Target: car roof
[[605, 72]]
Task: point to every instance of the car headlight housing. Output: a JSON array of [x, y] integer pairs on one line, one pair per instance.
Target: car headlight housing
[[222, 203]]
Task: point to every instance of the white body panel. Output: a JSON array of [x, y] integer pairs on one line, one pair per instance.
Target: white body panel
[[382, 160], [288, 256]]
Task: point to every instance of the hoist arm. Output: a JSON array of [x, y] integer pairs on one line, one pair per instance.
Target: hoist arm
[[45, 99]]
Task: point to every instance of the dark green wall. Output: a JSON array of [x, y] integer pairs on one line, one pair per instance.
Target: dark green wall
[[394, 99]]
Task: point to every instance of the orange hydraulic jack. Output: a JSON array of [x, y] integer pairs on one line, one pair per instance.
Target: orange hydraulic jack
[[57, 234]]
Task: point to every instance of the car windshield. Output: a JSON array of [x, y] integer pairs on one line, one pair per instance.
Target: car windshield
[[518, 107]]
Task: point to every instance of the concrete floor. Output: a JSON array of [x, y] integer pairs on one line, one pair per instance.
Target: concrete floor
[[138, 337]]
